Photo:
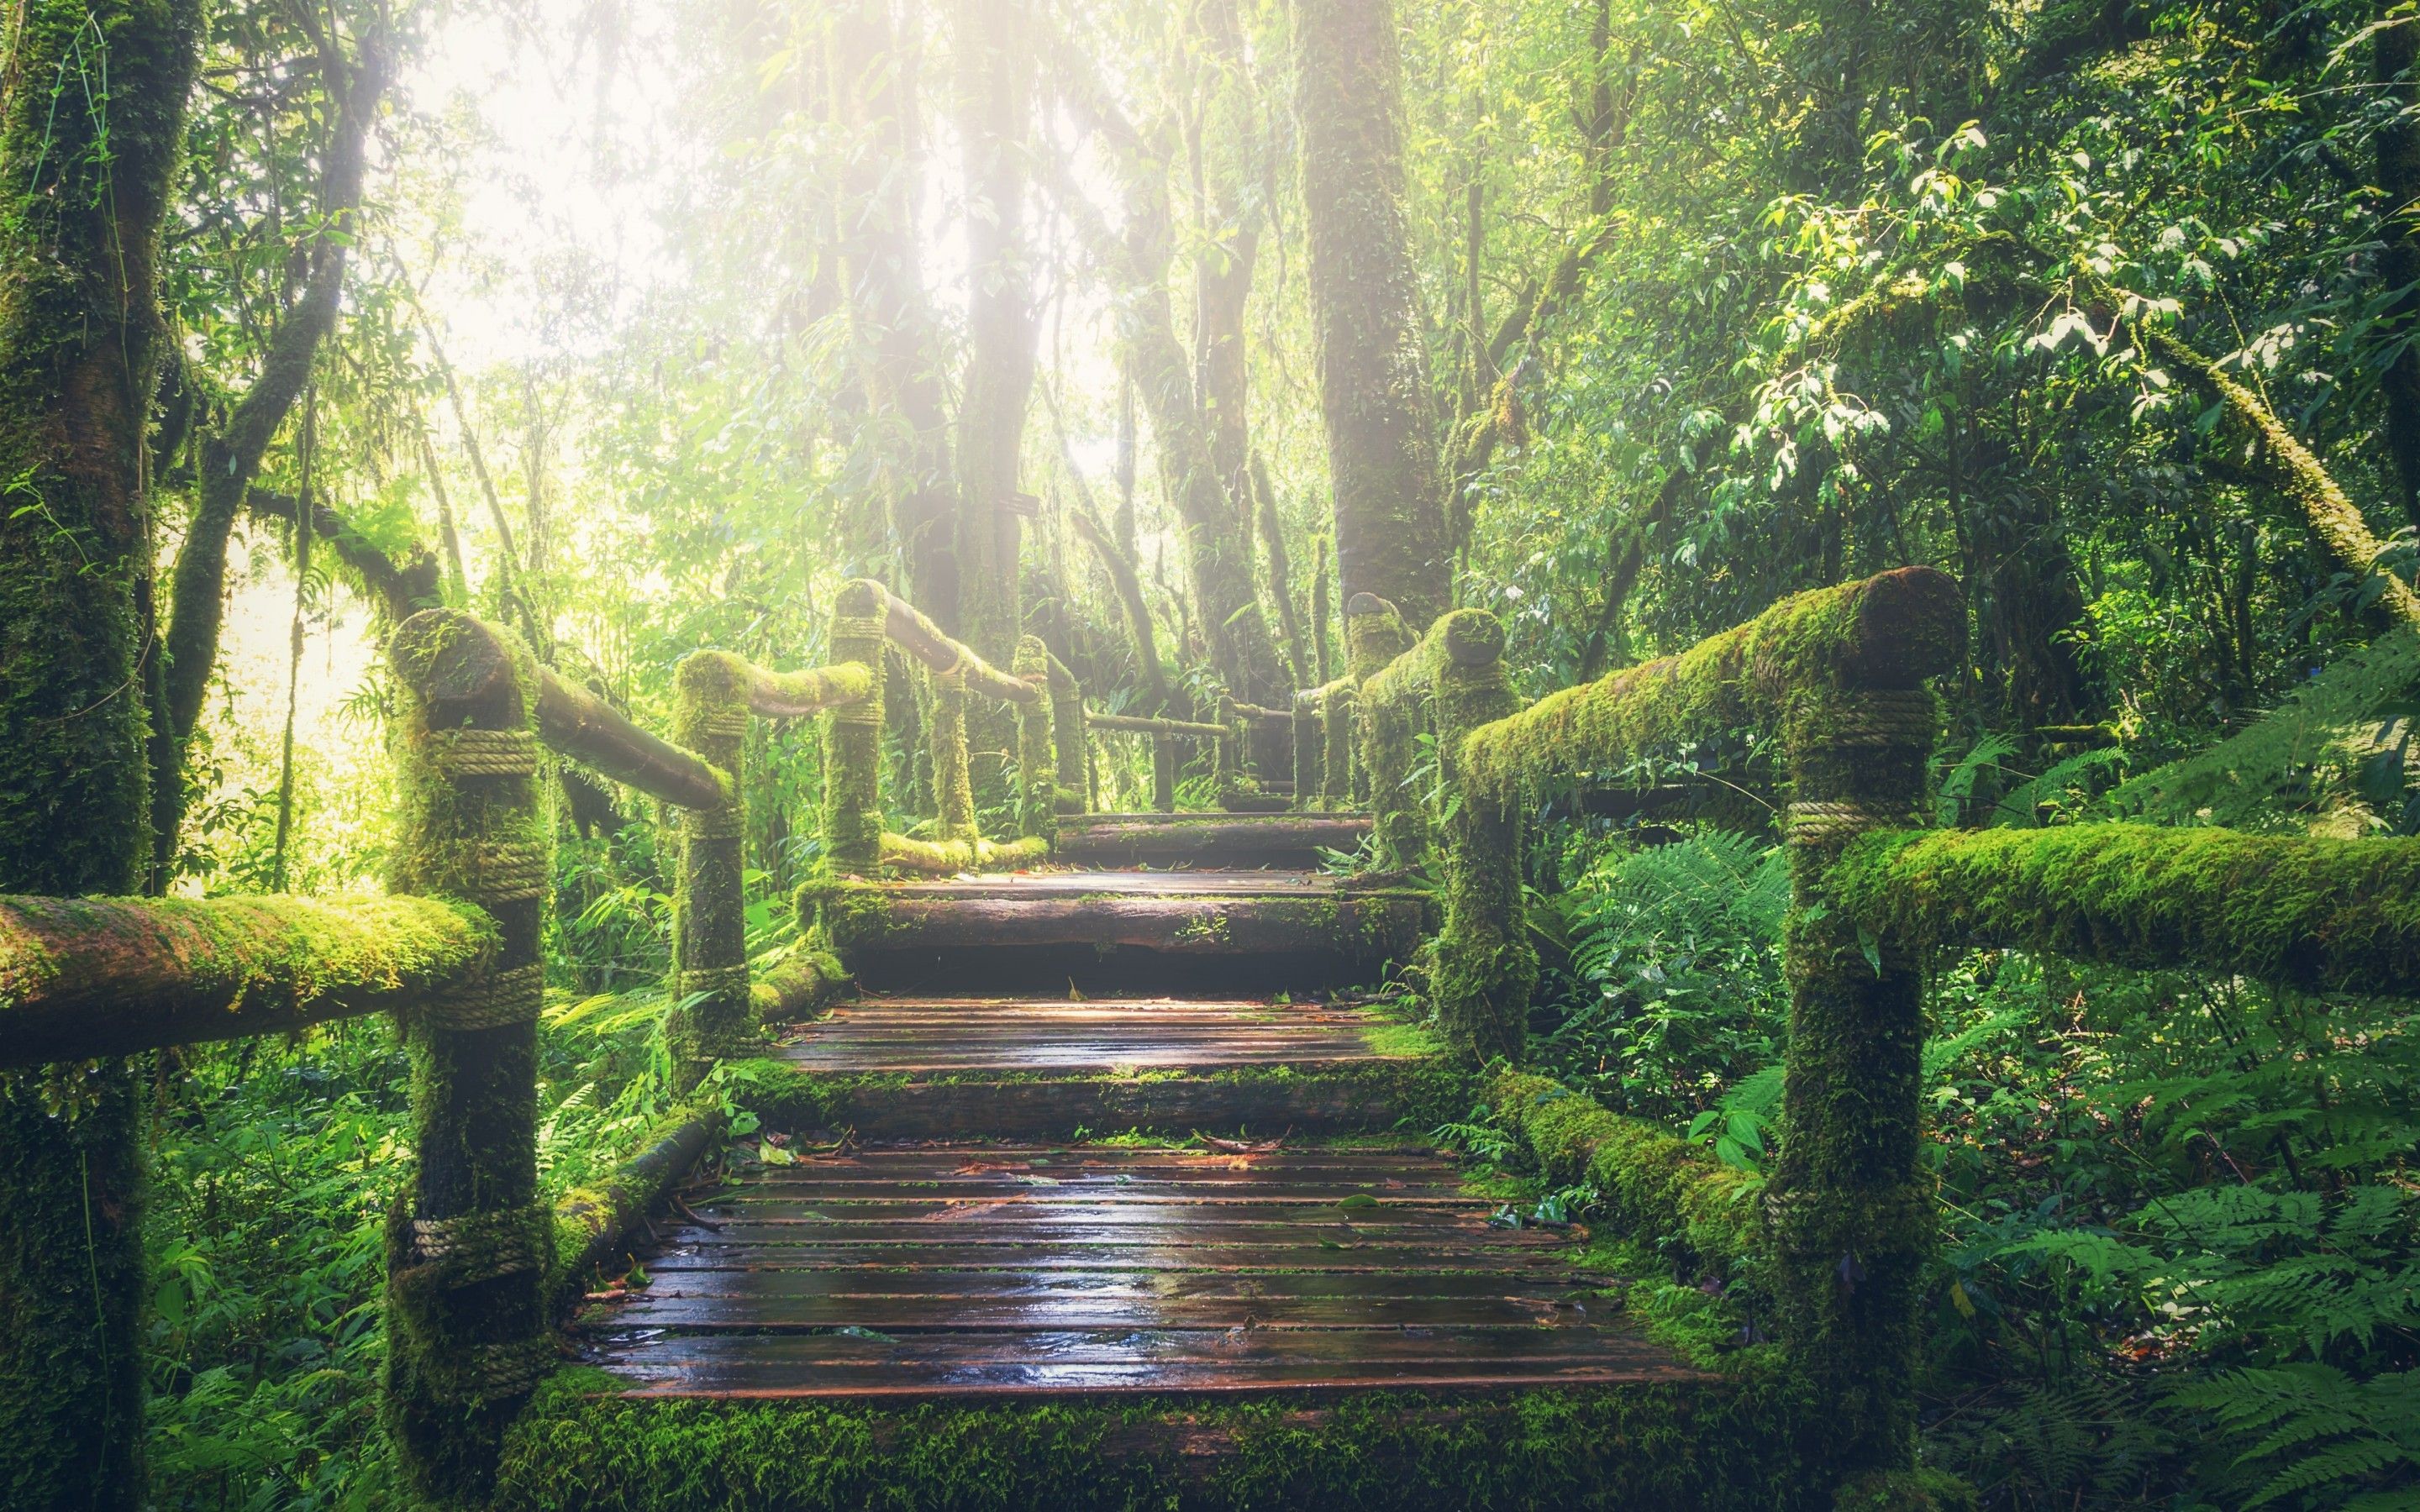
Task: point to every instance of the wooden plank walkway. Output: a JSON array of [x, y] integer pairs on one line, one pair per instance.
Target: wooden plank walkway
[[957, 1034], [936, 1270]]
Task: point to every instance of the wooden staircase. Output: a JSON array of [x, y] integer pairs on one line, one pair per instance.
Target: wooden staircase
[[957, 1228]]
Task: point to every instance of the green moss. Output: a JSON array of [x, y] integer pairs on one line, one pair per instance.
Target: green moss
[[926, 857], [1777, 672], [1680, 1445], [2332, 915], [1037, 764], [853, 805], [1702, 1214], [796, 986], [466, 1250], [712, 1018], [1416, 1093]]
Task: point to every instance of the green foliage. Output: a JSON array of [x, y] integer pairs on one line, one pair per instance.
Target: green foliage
[[1675, 948]]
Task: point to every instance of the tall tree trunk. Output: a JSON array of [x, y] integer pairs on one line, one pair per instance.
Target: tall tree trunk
[[898, 346], [1374, 382], [89, 164], [1215, 538], [995, 69]]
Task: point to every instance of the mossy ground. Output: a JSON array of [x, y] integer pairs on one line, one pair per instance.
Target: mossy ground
[[1668, 1445]]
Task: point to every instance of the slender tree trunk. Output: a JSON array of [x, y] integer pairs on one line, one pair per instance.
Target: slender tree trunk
[[1215, 535], [1374, 381], [994, 67], [89, 164], [231, 457], [2394, 51], [898, 344]]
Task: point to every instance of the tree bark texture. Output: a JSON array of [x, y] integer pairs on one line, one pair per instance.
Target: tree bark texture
[[88, 166], [898, 344], [1373, 384]]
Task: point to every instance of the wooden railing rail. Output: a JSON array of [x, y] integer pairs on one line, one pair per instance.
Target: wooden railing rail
[[1838, 676], [89, 976]]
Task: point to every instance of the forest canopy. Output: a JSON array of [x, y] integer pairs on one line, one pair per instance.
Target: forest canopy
[[1159, 332]]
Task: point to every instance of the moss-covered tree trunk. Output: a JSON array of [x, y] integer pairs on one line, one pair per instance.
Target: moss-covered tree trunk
[[1374, 382], [88, 166]]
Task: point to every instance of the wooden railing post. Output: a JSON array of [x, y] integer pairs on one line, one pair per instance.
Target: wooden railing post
[[1850, 1217], [1309, 754], [1163, 774], [953, 791], [853, 739], [1037, 768], [1374, 637], [466, 1250], [1482, 965], [710, 906], [1336, 728], [1067, 742]]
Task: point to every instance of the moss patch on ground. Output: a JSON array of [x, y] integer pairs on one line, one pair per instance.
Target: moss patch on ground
[[1670, 1445]]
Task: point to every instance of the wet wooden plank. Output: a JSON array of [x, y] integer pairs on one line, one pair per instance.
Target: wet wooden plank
[[1309, 1258], [751, 1306], [1134, 1227], [954, 1287], [1607, 1341], [1306, 1104], [1255, 882]]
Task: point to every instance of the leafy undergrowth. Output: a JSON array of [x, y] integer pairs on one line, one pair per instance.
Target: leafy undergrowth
[[2179, 1257], [273, 1163]]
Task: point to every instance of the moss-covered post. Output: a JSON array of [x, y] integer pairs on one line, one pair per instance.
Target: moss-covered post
[[1849, 1215], [1374, 636], [853, 739], [1067, 741], [1037, 765], [1163, 774], [1309, 754], [953, 792], [1337, 716], [1229, 762], [1483, 965], [466, 1325], [709, 904]]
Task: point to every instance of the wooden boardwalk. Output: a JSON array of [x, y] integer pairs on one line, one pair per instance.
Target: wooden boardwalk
[[950, 1263], [934, 1269]]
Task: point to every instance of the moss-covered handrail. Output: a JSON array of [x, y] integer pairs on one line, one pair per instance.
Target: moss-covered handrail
[[576, 723], [1836, 677], [1776, 671], [913, 632], [865, 617], [89, 976], [2321, 915], [1145, 725]]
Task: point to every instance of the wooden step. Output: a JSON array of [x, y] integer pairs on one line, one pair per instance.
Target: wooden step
[[960, 1034], [1099, 933], [953, 1271], [1213, 840]]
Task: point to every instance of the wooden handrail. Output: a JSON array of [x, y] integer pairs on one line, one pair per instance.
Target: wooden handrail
[[1187, 729], [576, 723], [912, 632], [89, 976]]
